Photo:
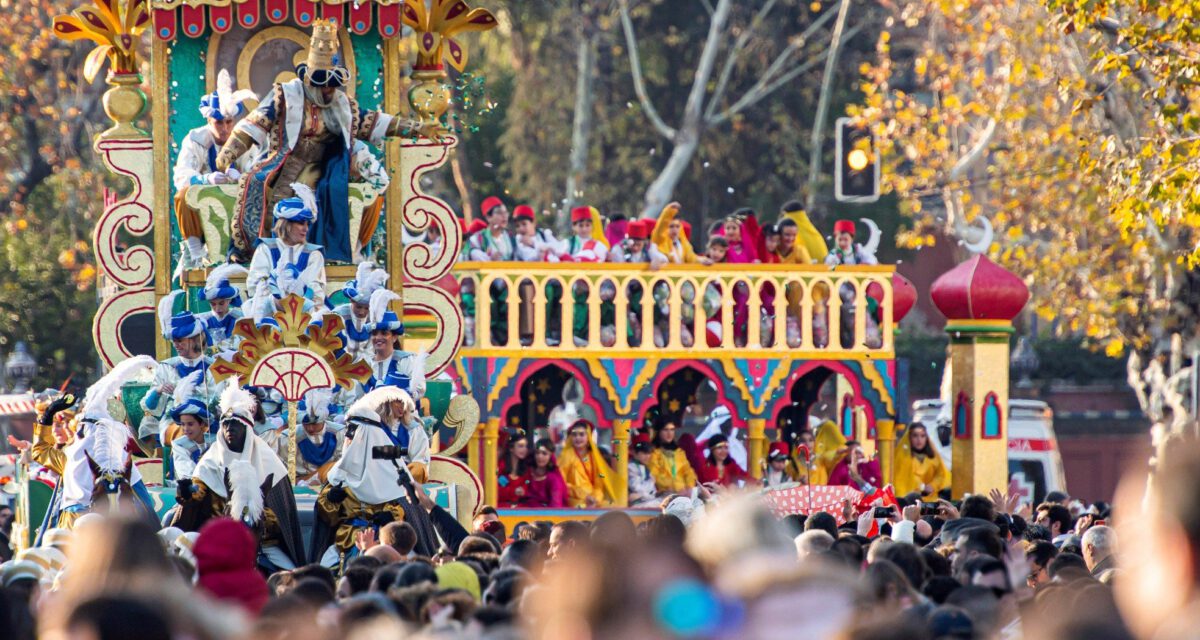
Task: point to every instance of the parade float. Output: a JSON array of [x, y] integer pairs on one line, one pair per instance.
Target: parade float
[[486, 377]]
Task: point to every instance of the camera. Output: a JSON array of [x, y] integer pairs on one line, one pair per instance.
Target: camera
[[883, 512], [388, 452], [929, 508]]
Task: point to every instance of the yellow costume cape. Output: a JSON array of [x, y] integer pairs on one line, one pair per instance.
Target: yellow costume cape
[[910, 472]]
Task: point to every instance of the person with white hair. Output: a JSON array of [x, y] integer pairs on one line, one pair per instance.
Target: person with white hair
[[386, 452], [242, 478], [1099, 551], [812, 543]]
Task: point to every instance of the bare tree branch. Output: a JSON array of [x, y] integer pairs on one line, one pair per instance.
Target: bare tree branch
[[758, 90], [707, 6], [818, 129], [734, 53], [639, 84], [693, 110]]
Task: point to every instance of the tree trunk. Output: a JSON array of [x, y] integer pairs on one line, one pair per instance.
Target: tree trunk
[[581, 129], [659, 193]]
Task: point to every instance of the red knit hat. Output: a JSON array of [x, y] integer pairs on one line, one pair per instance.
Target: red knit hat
[[843, 226], [579, 214], [639, 229], [489, 203], [778, 450], [226, 553], [523, 211], [475, 227]]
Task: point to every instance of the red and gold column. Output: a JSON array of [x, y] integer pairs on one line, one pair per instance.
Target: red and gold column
[[980, 299]]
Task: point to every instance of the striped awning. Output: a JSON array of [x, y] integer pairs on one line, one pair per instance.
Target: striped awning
[[16, 405], [191, 17]]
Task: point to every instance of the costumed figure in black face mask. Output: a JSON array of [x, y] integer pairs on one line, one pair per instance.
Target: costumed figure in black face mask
[[241, 477]]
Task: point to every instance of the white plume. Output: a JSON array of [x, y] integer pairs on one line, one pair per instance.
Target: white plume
[[379, 303], [360, 275], [373, 281], [110, 442], [246, 500], [95, 401], [186, 388], [166, 307], [417, 380], [223, 272], [236, 401], [262, 305], [229, 98], [316, 403], [306, 196]]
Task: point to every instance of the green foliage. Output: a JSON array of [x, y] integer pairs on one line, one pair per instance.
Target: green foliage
[[47, 295]]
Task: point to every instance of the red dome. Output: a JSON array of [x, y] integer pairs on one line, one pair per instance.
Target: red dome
[[904, 296], [979, 289]]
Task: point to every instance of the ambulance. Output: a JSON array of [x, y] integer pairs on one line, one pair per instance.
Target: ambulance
[[1034, 461]]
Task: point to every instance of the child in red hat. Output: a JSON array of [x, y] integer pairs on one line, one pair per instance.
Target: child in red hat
[[495, 243], [777, 460], [533, 244], [847, 252]]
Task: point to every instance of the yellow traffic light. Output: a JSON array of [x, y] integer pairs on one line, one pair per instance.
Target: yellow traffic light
[[857, 159]]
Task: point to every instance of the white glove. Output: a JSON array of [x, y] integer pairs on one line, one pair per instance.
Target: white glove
[[216, 177], [233, 174]]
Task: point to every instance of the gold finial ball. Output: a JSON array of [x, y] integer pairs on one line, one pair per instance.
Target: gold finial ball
[[323, 45]]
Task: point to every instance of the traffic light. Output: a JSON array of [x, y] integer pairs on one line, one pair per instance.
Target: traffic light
[[856, 174]]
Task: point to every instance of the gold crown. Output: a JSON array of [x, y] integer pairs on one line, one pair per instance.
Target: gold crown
[[323, 45]]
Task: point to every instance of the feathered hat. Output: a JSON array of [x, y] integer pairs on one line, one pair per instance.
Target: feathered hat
[[237, 404], [225, 102], [186, 402], [366, 408], [178, 326], [218, 287], [301, 207], [314, 407], [95, 400], [368, 279], [380, 317], [323, 67]]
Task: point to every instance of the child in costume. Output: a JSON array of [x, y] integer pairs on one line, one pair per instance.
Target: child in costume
[[846, 252], [290, 247], [225, 308]]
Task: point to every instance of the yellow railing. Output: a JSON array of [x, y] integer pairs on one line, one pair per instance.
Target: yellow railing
[[756, 317]]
